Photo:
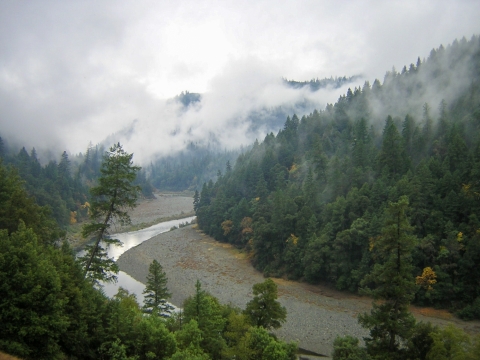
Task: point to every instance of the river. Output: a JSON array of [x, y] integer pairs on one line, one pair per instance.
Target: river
[[130, 240]]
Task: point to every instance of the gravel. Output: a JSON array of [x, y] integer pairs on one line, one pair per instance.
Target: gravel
[[314, 317], [164, 206]]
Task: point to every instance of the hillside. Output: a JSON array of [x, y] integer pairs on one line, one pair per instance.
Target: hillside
[[309, 202]]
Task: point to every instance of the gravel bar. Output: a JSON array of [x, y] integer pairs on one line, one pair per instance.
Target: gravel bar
[[314, 316]]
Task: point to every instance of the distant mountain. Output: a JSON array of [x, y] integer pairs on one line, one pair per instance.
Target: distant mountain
[[187, 98]]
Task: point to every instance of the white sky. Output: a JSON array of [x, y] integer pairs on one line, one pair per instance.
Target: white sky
[[76, 71]]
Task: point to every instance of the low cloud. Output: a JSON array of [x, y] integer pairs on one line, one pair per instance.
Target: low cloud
[[74, 72], [246, 91]]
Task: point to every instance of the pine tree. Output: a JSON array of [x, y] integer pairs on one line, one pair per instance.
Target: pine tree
[[390, 321], [156, 291], [196, 201], [390, 156], [32, 313], [264, 310], [207, 312], [111, 198], [64, 166]]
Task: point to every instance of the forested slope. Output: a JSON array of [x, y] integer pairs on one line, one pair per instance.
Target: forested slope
[[309, 202], [61, 187], [49, 309]]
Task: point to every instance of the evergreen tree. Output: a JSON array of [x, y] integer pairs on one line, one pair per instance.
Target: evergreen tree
[[16, 205], [2, 148], [111, 199], [207, 312], [390, 321], [390, 159], [64, 166], [156, 291], [264, 310], [196, 201], [31, 305]]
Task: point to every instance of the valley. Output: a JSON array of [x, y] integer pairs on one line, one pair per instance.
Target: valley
[[316, 314]]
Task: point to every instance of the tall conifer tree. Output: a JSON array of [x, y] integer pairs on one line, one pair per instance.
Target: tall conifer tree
[[111, 198]]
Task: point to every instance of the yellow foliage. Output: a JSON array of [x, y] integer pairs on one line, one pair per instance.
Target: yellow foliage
[[293, 168], [460, 237], [468, 191], [86, 206], [292, 239], [73, 217], [227, 226], [427, 279], [246, 225]]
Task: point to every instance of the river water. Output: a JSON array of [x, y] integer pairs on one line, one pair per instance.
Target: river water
[[130, 240]]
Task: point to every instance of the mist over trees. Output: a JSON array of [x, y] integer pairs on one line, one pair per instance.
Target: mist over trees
[[376, 193], [190, 168], [307, 202], [49, 310], [62, 186], [317, 84]]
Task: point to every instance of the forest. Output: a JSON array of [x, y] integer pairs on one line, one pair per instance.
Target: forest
[[309, 203], [376, 194], [51, 306], [61, 186]]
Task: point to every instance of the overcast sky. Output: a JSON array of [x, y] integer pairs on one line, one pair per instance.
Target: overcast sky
[[72, 72]]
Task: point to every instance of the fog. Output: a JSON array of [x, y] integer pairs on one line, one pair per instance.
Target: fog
[[79, 71]]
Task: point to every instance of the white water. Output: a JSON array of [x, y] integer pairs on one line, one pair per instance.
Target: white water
[[130, 240]]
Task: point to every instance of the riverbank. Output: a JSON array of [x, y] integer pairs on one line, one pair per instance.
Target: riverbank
[[165, 206], [316, 315]]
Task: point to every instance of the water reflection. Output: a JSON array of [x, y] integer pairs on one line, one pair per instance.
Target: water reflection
[[126, 282], [134, 238], [130, 240]]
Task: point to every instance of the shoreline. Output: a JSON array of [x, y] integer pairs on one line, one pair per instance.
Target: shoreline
[[165, 206], [316, 314], [186, 254]]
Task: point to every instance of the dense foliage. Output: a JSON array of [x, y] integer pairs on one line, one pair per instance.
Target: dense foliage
[[63, 186], [48, 310], [309, 202], [53, 185], [114, 195], [188, 169]]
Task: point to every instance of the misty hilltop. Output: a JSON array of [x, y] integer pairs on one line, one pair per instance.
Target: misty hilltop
[[437, 84], [204, 131], [335, 193], [332, 149]]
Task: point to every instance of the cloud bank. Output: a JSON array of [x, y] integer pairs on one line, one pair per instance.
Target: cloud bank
[[75, 72]]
